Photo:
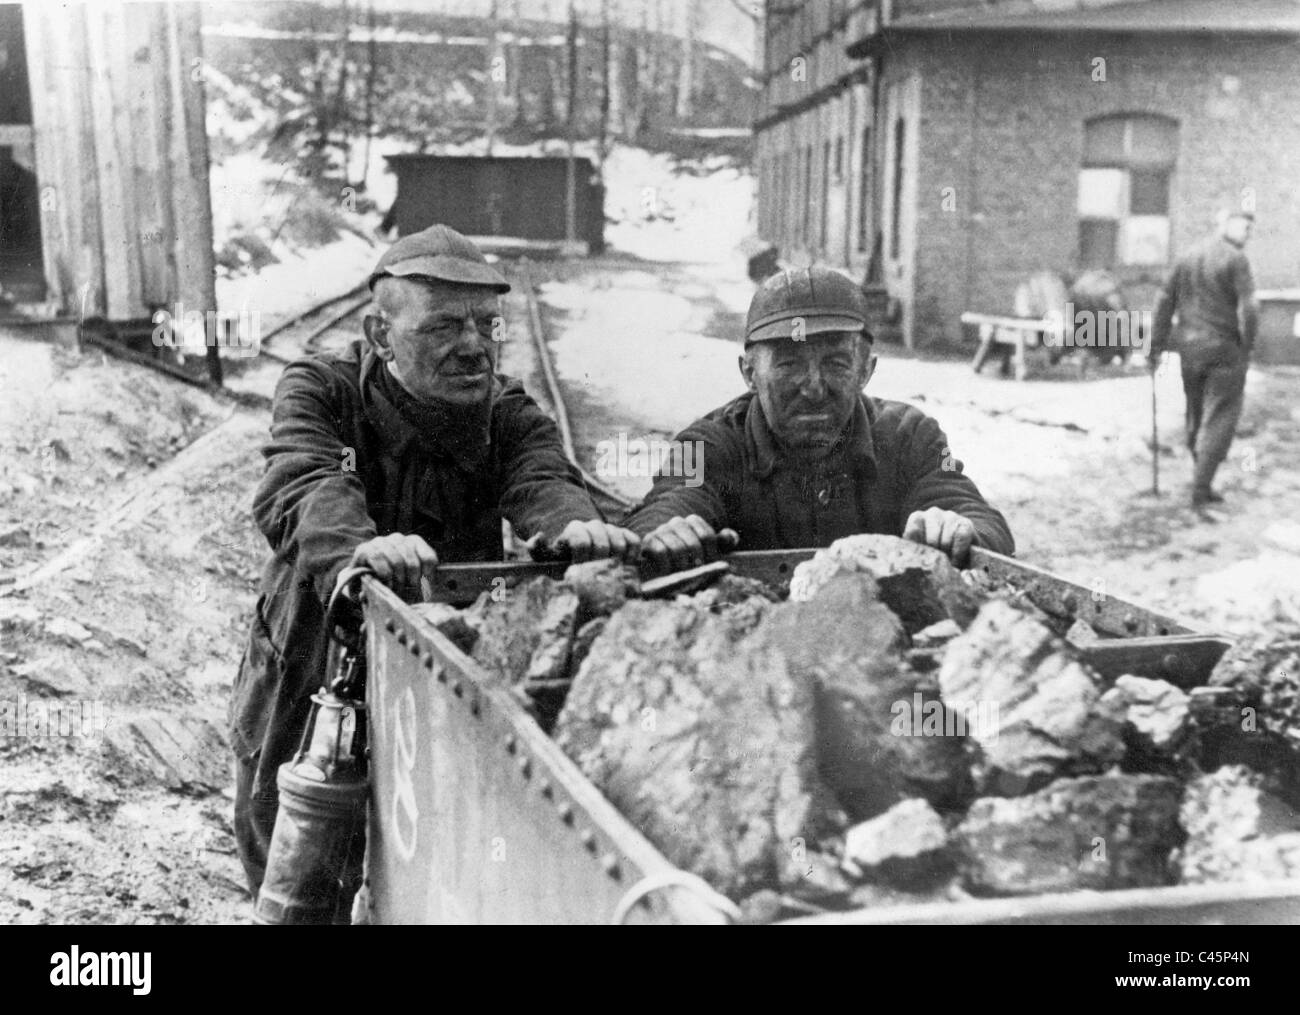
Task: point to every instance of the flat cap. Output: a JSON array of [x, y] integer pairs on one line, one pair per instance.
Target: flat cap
[[440, 253], [805, 301]]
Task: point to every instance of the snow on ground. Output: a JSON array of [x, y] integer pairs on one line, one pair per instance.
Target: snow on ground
[[660, 211], [300, 280], [634, 343]]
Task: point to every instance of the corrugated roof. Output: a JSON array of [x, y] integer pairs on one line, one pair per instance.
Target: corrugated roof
[[1246, 17]]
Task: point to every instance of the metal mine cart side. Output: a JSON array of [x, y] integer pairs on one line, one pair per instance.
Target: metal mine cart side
[[476, 816]]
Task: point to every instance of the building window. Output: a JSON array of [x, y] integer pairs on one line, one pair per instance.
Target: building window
[[839, 160], [1124, 191]]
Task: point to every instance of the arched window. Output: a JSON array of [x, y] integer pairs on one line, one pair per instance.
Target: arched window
[[1124, 190]]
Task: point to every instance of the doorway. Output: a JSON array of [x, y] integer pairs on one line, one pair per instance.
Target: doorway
[[22, 275]]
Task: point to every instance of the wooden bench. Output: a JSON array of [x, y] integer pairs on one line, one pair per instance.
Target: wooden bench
[[1020, 333]]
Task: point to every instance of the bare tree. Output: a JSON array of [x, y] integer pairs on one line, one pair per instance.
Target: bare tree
[[639, 77], [602, 142], [493, 65], [514, 64], [372, 68], [614, 67], [686, 71], [339, 114]]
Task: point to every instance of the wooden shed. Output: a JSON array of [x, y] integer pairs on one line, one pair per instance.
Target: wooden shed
[[518, 197], [104, 203]]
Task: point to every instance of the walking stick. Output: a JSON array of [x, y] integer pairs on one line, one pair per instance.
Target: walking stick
[[1155, 442]]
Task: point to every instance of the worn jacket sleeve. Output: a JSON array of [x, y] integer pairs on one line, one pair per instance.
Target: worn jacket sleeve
[[932, 477], [542, 491], [1243, 282], [309, 506], [1162, 323], [690, 481]]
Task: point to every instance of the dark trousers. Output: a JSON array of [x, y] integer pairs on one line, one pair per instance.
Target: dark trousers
[[254, 823], [1214, 381]]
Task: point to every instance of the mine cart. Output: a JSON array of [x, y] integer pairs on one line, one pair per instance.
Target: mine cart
[[476, 815]]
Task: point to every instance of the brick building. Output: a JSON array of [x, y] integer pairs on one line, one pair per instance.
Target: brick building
[[972, 145]]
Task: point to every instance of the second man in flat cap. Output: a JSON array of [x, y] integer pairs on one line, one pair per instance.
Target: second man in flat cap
[[805, 457]]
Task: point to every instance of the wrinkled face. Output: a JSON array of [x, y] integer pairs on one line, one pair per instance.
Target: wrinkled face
[[437, 338], [808, 389], [1238, 229]]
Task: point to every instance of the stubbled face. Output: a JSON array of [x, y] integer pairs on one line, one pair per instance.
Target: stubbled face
[[1237, 229], [808, 389], [437, 338]]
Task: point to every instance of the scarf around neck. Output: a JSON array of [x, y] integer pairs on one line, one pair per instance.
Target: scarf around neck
[[459, 432]]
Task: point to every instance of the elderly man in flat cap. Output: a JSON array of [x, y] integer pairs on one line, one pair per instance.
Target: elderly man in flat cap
[[804, 457], [406, 450]]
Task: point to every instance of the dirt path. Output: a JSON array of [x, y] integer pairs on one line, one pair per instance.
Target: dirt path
[[122, 607]]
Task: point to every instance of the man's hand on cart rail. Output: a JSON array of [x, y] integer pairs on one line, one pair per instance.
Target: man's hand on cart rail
[[682, 543], [948, 531], [399, 561], [583, 541]]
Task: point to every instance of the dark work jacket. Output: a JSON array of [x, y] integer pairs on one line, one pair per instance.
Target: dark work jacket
[[892, 460], [343, 466], [1206, 290]]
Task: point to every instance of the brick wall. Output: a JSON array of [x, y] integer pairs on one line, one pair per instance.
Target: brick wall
[[1003, 125]]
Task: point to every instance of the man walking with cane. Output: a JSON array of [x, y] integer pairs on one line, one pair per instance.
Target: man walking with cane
[[1213, 293]]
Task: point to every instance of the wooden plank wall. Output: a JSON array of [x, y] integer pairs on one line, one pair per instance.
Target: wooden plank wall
[[121, 156]]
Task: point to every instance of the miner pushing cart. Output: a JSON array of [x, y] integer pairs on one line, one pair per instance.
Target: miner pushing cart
[[480, 810], [389, 472]]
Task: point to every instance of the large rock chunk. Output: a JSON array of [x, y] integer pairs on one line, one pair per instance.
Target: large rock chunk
[[525, 639], [1268, 670], [451, 622], [584, 639], [526, 634], [744, 601], [1243, 719], [1157, 714], [1050, 720], [733, 590], [918, 583], [906, 846], [602, 586], [1096, 832], [851, 646], [1236, 831], [704, 743]]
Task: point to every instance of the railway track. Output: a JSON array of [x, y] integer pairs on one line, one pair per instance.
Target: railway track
[[304, 333], [326, 326], [610, 502]]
